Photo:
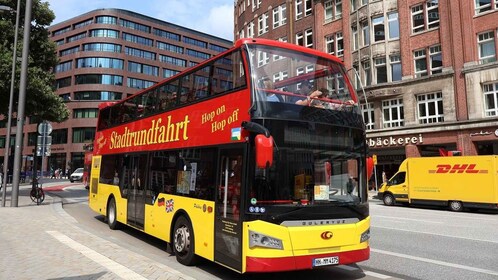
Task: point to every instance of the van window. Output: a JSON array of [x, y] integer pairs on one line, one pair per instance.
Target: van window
[[399, 178]]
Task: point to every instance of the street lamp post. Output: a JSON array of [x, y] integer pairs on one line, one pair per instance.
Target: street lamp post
[[21, 105], [11, 101]]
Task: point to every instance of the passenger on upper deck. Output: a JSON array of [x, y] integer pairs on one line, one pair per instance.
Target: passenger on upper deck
[[306, 90]]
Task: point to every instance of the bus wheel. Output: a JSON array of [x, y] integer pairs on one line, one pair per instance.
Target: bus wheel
[[456, 206], [388, 199], [112, 220], [183, 242]]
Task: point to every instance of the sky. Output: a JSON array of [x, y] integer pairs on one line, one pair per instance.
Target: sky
[[214, 17]]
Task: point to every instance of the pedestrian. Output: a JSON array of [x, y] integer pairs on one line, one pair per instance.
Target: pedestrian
[[67, 172]]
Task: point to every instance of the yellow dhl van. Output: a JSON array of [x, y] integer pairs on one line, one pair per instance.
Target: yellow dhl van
[[455, 182]]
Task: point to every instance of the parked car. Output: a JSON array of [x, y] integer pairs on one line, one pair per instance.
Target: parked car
[[77, 175]]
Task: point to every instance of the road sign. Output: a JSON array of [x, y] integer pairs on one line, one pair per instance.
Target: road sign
[[374, 157], [44, 128]]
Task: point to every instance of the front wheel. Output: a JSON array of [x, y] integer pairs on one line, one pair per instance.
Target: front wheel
[[456, 206], [183, 242], [112, 220], [388, 199]]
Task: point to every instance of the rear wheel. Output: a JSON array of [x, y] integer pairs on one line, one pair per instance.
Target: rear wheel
[[456, 206], [112, 220], [183, 242], [388, 199]]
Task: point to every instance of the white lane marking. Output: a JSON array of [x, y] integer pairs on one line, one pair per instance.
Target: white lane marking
[[452, 265], [437, 234], [366, 272], [377, 275], [406, 219], [104, 261]]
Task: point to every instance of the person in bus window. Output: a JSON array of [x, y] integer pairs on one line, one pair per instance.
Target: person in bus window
[[270, 96], [306, 89]]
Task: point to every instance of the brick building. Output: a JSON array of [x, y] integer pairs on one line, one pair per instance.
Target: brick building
[[428, 67], [107, 55]]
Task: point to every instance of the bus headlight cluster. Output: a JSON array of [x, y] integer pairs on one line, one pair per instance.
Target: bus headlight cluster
[[260, 240], [365, 236]]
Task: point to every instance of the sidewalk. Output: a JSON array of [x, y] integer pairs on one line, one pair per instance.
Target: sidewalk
[[44, 242]]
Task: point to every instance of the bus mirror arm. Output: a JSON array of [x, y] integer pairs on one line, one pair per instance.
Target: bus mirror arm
[[255, 127]]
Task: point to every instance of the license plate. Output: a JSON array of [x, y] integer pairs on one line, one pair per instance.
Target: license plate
[[326, 261]]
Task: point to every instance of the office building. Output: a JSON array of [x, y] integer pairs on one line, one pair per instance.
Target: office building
[[428, 67], [104, 56]]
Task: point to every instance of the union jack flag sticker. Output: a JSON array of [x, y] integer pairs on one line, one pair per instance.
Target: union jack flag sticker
[[170, 205]]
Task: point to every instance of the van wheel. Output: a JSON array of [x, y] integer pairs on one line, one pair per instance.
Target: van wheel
[[183, 242], [456, 206], [112, 220], [388, 199]]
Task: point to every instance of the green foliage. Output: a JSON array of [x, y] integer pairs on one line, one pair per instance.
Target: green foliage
[[41, 100]]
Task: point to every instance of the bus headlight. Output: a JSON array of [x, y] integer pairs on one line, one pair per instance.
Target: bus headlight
[[365, 236], [260, 240]]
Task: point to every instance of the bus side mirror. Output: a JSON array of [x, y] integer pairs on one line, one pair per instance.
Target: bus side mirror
[[264, 151], [370, 167]]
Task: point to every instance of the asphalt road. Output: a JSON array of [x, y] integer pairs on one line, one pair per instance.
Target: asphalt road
[[406, 243]]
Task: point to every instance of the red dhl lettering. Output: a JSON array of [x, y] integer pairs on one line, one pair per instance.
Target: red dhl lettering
[[457, 168]]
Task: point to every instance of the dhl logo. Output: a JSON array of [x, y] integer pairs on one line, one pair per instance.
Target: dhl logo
[[457, 168]]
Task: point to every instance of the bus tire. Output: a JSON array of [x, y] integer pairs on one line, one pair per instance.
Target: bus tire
[[111, 216], [183, 242], [456, 206], [388, 199]]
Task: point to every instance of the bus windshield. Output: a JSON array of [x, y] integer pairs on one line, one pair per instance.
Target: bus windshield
[[281, 75], [318, 164]]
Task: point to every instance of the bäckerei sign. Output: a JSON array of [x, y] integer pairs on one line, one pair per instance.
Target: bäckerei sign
[[393, 141]]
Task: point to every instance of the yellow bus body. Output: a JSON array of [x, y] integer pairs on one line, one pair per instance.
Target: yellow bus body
[[465, 181]]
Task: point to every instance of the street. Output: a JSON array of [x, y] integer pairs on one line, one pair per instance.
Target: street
[[406, 243]]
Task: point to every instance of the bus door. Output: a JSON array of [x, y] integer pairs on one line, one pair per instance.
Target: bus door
[[228, 234], [135, 179]]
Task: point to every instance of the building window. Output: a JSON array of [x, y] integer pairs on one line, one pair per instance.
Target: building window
[[381, 70], [63, 82], [420, 63], [334, 44], [486, 45], [354, 31], [138, 83], [393, 23], [368, 115], [84, 134], [69, 51], [436, 59], [97, 95], [173, 60], [354, 5], [263, 24], [85, 113], [308, 38], [76, 37], [106, 20], [102, 79], [169, 72], [140, 53], [102, 47], [83, 23], [169, 47], [308, 7], [490, 99], [280, 76], [300, 39], [195, 42], [250, 30], [432, 14], [333, 10], [63, 66], [198, 54], [137, 39], [367, 73], [166, 34], [134, 25], [59, 136], [279, 16], [299, 9], [430, 108], [378, 28], [426, 16], [101, 62], [483, 6], [392, 111], [143, 68], [365, 31], [108, 33], [396, 74], [263, 58]]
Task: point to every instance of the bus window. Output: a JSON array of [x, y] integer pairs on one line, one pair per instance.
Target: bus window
[[223, 73]]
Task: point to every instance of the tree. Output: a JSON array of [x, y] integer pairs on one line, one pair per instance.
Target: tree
[[41, 101]]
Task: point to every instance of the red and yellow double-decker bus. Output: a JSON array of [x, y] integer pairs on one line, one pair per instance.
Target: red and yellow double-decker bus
[[251, 175]]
